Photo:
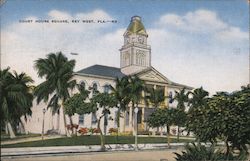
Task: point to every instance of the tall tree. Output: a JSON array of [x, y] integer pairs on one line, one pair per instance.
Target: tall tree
[[136, 87], [198, 100], [155, 97], [58, 73], [120, 93], [181, 97], [180, 116], [16, 98]]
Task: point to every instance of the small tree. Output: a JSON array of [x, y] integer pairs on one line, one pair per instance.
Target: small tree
[[160, 117], [178, 118], [104, 101], [72, 104]]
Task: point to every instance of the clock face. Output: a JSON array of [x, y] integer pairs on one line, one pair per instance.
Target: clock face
[[140, 39]]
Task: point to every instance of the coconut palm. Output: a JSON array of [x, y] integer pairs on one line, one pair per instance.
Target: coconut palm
[[181, 97], [16, 98], [198, 100], [155, 96], [58, 73], [120, 93], [135, 87], [199, 97]]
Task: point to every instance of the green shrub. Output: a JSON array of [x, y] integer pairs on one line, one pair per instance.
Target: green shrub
[[202, 153]]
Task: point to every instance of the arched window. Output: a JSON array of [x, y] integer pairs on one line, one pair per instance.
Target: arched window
[[81, 119], [93, 118], [140, 58], [106, 88], [126, 59], [94, 89], [171, 97], [82, 86]]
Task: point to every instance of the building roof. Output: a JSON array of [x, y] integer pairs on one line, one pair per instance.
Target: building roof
[[136, 27], [101, 70]]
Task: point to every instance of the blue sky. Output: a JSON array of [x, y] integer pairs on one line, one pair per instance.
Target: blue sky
[[194, 42], [234, 12]]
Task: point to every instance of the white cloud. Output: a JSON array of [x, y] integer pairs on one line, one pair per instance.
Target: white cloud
[[200, 49], [232, 34], [55, 14], [22, 43], [202, 22], [181, 49]]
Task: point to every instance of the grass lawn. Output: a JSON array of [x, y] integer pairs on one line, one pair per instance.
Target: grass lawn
[[91, 140], [5, 137]]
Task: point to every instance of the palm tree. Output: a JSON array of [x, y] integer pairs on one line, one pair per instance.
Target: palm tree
[[135, 87], [120, 93], [198, 100], [155, 96], [181, 97], [16, 98], [58, 73]]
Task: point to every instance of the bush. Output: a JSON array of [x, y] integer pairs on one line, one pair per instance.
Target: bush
[[202, 153], [96, 131], [113, 130], [83, 131]]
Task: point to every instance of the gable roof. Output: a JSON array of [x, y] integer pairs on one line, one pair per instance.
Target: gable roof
[[113, 72], [101, 70], [171, 83]]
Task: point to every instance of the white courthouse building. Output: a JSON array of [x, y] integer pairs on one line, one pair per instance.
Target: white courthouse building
[[135, 59]]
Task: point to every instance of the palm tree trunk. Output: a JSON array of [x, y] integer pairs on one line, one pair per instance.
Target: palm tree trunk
[[22, 127], [6, 129], [124, 120], [131, 118], [58, 120], [71, 124], [10, 129], [65, 123], [118, 125], [52, 121]]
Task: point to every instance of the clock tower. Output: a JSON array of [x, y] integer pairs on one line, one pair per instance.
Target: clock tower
[[135, 54]]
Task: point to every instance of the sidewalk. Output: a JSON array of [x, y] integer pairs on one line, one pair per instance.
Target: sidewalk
[[7, 152]]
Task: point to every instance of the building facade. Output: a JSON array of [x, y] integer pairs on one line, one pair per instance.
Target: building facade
[[135, 59]]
